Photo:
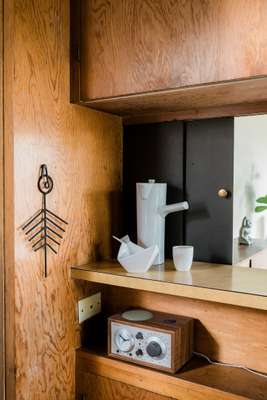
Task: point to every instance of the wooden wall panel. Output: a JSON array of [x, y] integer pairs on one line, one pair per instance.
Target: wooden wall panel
[[146, 45], [223, 332], [82, 149], [9, 272], [2, 189], [94, 387], [197, 381]]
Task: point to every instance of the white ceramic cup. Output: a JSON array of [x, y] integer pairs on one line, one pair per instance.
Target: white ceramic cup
[[182, 257]]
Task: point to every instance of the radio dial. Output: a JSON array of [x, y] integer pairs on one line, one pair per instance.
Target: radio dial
[[154, 349], [124, 340]]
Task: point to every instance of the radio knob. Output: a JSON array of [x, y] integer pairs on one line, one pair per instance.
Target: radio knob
[[139, 336], [139, 352], [154, 349]]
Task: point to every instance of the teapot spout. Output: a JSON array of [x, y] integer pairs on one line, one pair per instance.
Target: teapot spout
[[171, 208]]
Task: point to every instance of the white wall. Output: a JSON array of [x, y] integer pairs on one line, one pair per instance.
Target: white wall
[[250, 172]]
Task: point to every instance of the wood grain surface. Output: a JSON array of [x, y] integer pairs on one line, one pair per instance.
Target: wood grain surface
[[233, 110], [148, 45], [82, 149], [2, 213], [197, 381], [210, 100], [9, 273], [206, 281], [94, 387], [225, 333]]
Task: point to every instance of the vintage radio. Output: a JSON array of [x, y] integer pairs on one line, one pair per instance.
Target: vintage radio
[[153, 339]]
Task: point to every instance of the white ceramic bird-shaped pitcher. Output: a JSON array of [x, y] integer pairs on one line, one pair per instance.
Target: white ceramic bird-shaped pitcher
[[151, 213]]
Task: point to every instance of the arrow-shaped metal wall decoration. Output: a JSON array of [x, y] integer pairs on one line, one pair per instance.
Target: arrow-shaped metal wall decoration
[[44, 230]]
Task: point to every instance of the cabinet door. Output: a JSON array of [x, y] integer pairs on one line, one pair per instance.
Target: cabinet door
[[209, 168], [154, 151], [139, 46]]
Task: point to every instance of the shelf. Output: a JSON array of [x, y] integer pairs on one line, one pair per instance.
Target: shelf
[[243, 252], [198, 380], [245, 287]]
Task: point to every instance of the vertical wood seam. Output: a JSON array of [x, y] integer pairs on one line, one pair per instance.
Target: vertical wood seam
[[9, 277]]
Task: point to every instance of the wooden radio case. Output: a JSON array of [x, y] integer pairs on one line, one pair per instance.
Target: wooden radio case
[[163, 341]]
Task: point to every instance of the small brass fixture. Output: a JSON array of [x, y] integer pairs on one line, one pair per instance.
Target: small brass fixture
[[223, 193]]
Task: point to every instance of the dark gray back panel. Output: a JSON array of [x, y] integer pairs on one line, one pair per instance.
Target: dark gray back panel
[[154, 151], [209, 167]]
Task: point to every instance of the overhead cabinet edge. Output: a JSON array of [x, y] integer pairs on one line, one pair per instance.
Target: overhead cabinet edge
[[191, 76]]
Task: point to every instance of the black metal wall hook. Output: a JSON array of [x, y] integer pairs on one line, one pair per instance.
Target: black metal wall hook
[[45, 229], [45, 182]]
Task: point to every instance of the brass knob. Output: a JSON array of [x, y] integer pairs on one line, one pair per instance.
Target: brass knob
[[223, 193]]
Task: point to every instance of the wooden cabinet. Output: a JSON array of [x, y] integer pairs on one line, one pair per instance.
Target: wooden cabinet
[[132, 51], [230, 334], [140, 46]]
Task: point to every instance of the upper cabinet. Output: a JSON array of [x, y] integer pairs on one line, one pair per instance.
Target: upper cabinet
[[140, 56]]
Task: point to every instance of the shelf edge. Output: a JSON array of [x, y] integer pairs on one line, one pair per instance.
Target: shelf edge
[[192, 292], [144, 378]]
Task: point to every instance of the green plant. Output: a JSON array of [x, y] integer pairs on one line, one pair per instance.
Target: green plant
[[261, 200]]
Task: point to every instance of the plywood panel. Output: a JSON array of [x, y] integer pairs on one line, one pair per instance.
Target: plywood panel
[[82, 149], [199, 113], [9, 273], [211, 282], [223, 332], [2, 189], [149, 45], [196, 381], [201, 101], [94, 387]]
